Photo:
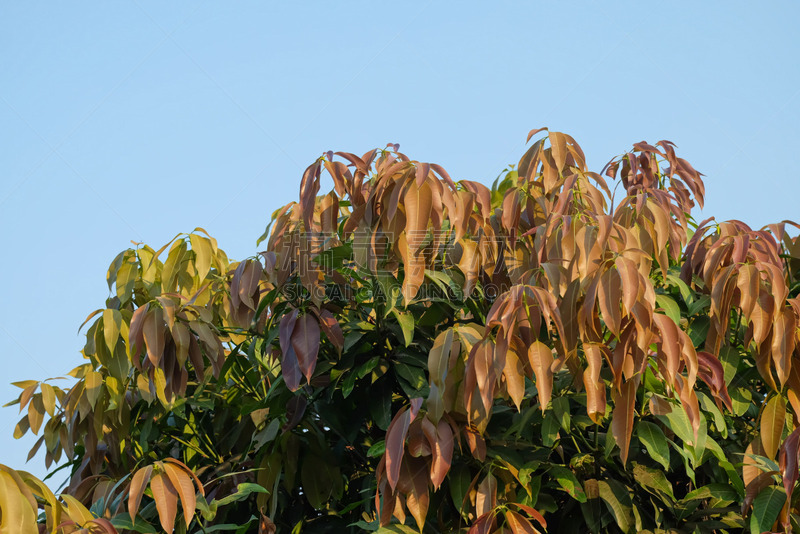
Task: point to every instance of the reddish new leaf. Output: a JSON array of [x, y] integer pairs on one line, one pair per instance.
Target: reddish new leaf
[[138, 484], [305, 342], [166, 497]]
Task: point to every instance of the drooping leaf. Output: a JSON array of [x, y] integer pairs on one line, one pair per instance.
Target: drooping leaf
[[305, 342], [166, 498], [541, 360], [139, 483], [622, 417]]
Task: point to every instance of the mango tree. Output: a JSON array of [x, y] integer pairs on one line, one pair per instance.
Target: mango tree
[[563, 351]]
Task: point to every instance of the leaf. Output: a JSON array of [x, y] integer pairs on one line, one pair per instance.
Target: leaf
[[717, 491], [414, 474], [203, 254], [48, 398], [16, 513], [315, 476], [182, 482], [772, 420], [418, 204], [112, 323], [540, 357], [333, 331], [439, 357], [166, 497], [486, 499], [138, 484], [567, 480], [622, 417], [766, 508], [290, 368], [76, 511], [395, 529], [406, 320], [395, 444], [616, 497], [36, 413], [609, 298], [789, 458], [442, 444], [550, 428], [670, 308], [594, 384], [653, 480], [153, 330], [653, 438], [518, 524], [305, 342], [243, 491], [558, 143], [514, 373]]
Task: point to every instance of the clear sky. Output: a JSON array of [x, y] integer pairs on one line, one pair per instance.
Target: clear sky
[[134, 120]]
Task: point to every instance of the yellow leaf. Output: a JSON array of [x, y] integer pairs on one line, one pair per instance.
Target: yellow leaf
[[49, 398], [112, 321], [36, 413], [75, 510], [93, 383], [16, 515], [773, 418], [202, 255]]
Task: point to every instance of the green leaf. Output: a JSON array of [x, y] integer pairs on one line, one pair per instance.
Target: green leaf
[[377, 449], [406, 320], [729, 357], [123, 521], [561, 411], [678, 422], [550, 428], [708, 405], [380, 406], [243, 491], [733, 477], [317, 476], [766, 508], [112, 323], [654, 440], [741, 399], [413, 380], [618, 501], [685, 292], [569, 482], [698, 329], [653, 480], [670, 307], [459, 480], [700, 304], [719, 491]]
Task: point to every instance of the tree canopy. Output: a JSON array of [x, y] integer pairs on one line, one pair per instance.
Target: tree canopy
[[563, 351]]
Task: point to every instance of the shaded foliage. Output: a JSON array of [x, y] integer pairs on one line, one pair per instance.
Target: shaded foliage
[[412, 353]]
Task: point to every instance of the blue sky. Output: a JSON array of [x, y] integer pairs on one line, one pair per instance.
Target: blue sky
[[136, 120]]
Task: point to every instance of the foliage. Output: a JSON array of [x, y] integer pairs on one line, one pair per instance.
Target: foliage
[[413, 354]]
